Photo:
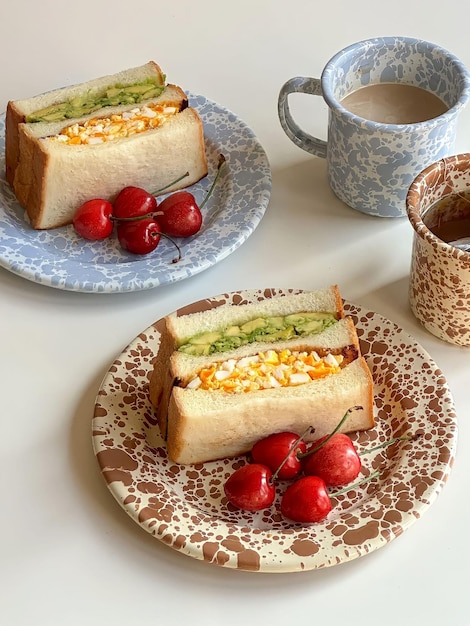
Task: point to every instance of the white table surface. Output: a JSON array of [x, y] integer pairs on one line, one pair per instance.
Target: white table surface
[[68, 554]]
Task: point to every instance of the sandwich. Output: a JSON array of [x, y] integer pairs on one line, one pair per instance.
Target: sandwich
[[92, 140], [221, 408], [300, 367], [215, 331], [77, 101]]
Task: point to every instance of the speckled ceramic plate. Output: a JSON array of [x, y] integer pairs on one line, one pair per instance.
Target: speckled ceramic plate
[[60, 258], [184, 507]]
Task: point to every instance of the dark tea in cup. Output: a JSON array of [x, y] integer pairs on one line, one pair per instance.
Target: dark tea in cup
[[438, 207], [449, 219]]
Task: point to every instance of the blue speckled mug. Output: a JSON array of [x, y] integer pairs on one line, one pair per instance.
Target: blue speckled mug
[[372, 164]]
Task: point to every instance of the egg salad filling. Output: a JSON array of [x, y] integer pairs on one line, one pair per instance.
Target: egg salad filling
[[99, 130], [266, 370]]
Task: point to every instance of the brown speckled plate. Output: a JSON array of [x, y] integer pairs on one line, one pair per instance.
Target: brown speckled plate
[[184, 507]]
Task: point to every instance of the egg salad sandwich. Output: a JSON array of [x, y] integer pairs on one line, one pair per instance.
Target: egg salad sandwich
[[294, 362], [230, 326], [91, 140]]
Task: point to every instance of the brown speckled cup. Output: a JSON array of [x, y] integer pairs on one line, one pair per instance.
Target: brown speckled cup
[[439, 290]]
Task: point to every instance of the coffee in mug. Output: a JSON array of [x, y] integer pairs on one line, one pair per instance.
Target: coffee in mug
[[394, 103], [414, 88]]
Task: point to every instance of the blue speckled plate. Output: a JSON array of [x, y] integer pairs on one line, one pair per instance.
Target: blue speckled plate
[[59, 258]]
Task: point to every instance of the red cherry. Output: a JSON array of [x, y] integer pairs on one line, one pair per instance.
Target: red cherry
[[336, 462], [92, 219], [250, 487], [306, 500], [139, 236], [181, 216], [134, 202], [274, 449]]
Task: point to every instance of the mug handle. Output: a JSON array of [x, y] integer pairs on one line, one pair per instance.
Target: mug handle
[[300, 84]]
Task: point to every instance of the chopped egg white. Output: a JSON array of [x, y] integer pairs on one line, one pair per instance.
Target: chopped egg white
[[266, 370], [103, 129]]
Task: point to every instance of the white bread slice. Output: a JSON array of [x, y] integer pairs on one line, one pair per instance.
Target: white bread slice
[[18, 110], [326, 300], [177, 329], [53, 179], [205, 425]]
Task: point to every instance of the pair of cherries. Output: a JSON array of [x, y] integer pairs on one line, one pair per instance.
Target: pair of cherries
[[141, 220]]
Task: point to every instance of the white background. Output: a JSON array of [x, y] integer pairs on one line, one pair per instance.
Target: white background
[[68, 554]]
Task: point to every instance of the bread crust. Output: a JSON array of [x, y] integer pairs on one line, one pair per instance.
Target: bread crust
[[31, 179], [161, 380], [13, 118]]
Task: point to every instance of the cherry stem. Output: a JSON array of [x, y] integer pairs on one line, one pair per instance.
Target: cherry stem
[[291, 449], [178, 258], [389, 442], [154, 193], [220, 165], [322, 443], [367, 479], [135, 218]]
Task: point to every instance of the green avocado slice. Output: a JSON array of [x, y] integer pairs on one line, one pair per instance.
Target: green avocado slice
[[84, 105], [270, 329]]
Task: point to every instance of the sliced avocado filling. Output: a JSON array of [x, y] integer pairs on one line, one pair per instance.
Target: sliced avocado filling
[[83, 105], [270, 329]]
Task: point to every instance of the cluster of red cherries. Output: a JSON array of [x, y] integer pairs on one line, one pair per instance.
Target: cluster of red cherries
[[140, 220], [331, 461]]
